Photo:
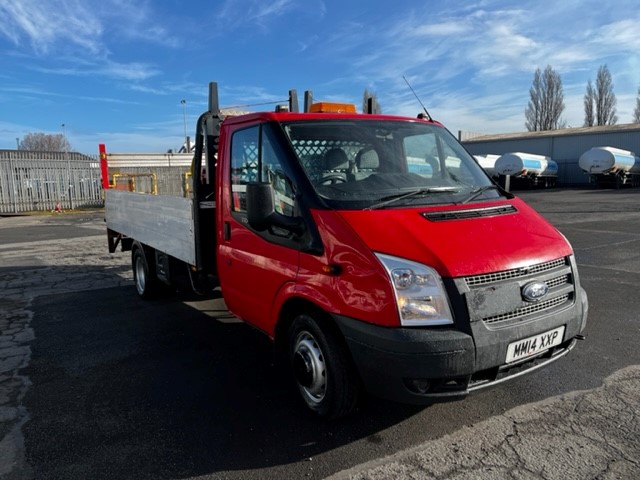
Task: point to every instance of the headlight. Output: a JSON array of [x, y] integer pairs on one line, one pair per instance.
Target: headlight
[[420, 294]]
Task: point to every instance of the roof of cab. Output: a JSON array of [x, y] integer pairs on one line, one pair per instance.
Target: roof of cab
[[292, 117]]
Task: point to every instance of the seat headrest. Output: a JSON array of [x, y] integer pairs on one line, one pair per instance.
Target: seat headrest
[[367, 158], [335, 159]]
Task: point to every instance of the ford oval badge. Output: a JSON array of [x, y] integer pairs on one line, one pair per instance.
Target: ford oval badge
[[534, 291]]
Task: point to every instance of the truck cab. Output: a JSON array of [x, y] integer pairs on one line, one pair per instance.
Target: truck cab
[[378, 256]]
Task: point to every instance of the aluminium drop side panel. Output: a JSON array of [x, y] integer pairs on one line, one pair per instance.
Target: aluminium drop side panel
[[162, 222]]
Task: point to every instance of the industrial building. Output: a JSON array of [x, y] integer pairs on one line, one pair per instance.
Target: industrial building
[[564, 146]]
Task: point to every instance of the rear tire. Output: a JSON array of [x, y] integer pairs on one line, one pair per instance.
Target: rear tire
[[144, 275], [322, 368]]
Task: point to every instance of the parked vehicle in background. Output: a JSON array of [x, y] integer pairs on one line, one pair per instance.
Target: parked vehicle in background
[[488, 164], [609, 166], [527, 168], [372, 249]]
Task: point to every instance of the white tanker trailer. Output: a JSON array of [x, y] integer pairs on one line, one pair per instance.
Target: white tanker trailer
[[533, 169], [609, 165], [488, 163]]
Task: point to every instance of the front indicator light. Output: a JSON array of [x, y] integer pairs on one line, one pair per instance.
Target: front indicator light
[[416, 309]]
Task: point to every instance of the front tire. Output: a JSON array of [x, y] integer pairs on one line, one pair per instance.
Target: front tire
[[322, 367]]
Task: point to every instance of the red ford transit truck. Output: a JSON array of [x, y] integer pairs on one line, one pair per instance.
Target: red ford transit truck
[[372, 249]]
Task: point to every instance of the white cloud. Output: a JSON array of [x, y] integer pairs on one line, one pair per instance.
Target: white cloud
[[445, 28], [622, 34], [140, 21], [236, 13], [38, 94], [121, 71], [55, 24], [127, 71], [82, 26], [261, 11]]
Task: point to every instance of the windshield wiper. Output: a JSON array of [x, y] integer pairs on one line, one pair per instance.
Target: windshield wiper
[[413, 193], [477, 192]]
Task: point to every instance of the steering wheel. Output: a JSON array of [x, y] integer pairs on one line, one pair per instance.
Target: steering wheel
[[332, 179]]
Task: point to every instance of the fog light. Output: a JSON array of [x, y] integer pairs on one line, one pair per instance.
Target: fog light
[[419, 385]]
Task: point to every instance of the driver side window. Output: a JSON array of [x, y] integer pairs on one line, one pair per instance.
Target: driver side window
[[254, 159], [272, 172]]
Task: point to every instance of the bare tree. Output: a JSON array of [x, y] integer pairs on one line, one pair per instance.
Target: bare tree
[[547, 101], [589, 101], [636, 112], [44, 142], [605, 99], [377, 108]]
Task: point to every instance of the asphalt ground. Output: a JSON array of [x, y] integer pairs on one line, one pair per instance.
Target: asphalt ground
[[96, 383]]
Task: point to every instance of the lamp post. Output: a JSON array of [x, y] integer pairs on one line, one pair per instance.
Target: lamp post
[[183, 102]]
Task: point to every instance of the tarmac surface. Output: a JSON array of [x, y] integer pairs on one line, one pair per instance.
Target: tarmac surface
[[26, 273], [593, 434], [71, 406]]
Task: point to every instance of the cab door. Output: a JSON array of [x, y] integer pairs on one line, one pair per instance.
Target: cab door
[[253, 266]]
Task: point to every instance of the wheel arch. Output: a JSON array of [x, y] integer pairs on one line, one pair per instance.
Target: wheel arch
[[146, 249], [289, 301], [289, 310]]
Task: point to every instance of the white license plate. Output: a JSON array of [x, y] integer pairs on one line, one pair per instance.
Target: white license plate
[[530, 346]]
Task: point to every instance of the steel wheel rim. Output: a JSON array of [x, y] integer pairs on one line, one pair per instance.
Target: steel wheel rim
[[310, 368], [140, 275]]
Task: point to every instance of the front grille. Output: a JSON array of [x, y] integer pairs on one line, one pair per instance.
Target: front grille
[[529, 309], [496, 299], [488, 278]]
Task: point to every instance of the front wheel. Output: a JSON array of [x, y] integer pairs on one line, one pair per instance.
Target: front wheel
[[322, 368]]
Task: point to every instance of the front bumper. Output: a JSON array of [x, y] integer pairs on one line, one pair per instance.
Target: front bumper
[[427, 365]]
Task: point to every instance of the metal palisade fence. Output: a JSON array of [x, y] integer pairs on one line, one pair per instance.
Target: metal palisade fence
[[32, 181], [53, 181]]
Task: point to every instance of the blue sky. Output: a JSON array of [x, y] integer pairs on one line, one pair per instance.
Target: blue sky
[[115, 71]]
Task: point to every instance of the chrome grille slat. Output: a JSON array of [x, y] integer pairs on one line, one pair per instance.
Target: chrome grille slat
[[487, 278], [557, 281], [529, 309]]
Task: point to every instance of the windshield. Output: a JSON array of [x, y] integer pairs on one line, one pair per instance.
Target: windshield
[[361, 163]]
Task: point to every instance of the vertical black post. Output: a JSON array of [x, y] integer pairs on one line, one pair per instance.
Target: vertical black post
[[370, 105], [214, 105], [308, 100], [206, 148], [293, 101]]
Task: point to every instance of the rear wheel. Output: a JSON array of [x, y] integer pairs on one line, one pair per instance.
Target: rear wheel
[[144, 277], [322, 368]]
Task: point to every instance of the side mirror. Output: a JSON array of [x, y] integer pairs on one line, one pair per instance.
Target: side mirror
[[261, 213]]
